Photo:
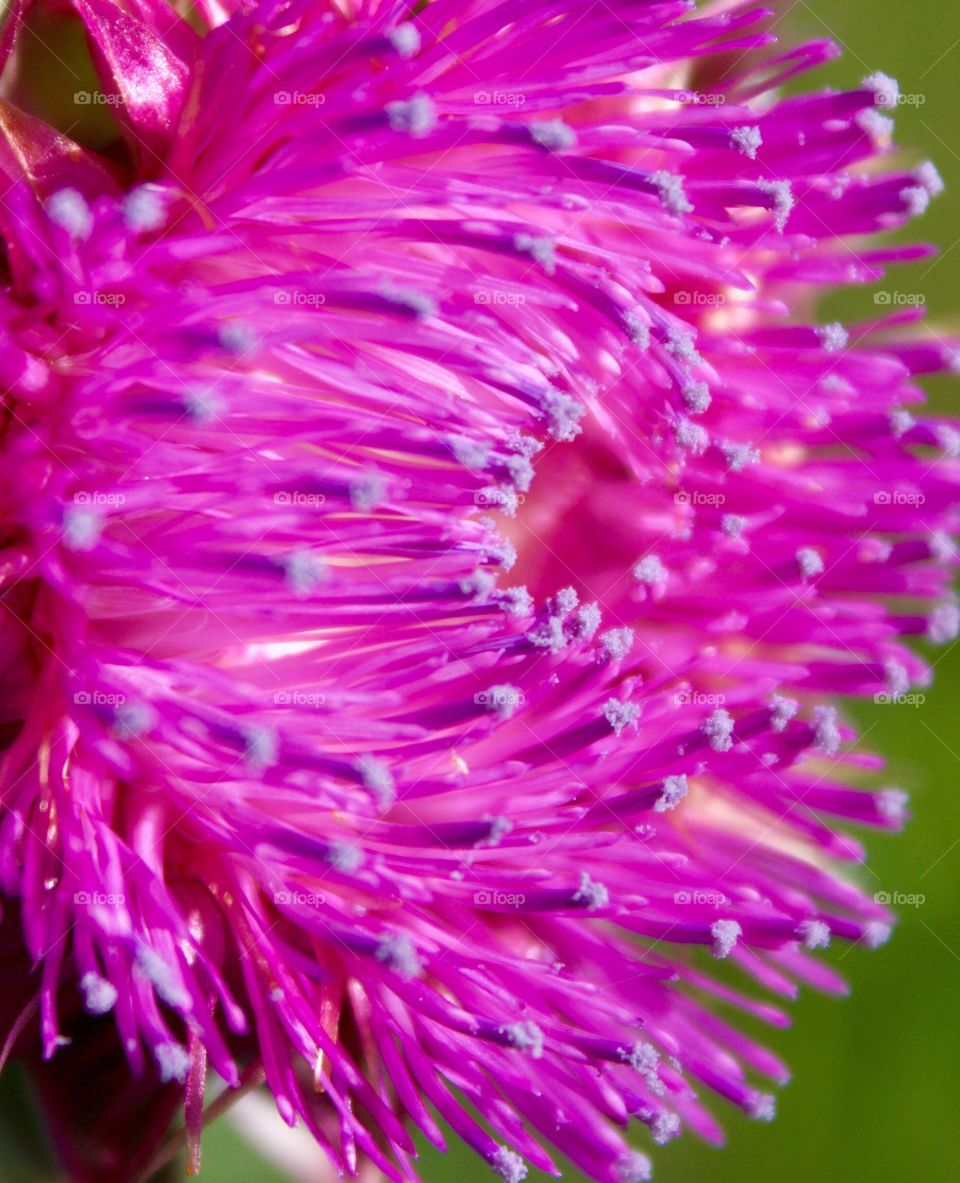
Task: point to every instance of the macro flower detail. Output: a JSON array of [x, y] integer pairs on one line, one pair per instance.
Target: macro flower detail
[[437, 531]]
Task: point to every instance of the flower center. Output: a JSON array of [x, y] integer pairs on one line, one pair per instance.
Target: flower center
[[576, 526]]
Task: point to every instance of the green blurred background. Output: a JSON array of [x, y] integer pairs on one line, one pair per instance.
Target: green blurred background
[[876, 1079]]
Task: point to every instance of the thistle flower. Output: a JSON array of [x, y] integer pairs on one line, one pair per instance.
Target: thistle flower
[[435, 533]]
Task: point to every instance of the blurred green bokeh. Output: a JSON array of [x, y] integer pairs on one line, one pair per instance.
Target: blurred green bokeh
[[876, 1077]]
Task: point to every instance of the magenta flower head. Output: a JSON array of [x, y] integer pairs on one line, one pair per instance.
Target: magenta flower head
[[437, 531]]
